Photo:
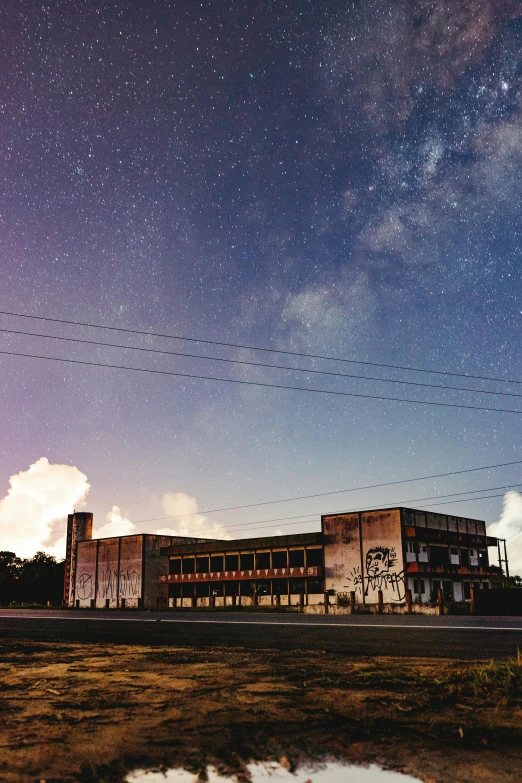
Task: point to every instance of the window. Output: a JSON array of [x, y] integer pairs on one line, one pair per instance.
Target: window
[[188, 565], [423, 553], [202, 590], [263, 588], [279, 559], [467, 590], [246, 560], [483, 559], [216, 588], [175, 566], [175, 591], [447, 591], [296, 558], [231, 562], [280, 586], [216, 563], [202, 564], [314, 557], [315, 586], [485, 585], [418, 586], [232, 588], [439, 555], [464, 557], [297, 586], [247, 588], [263, 560], [454, 555], [187, 591], [411, 553]]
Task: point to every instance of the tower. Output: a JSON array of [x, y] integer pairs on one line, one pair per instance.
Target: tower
[[79, 528]]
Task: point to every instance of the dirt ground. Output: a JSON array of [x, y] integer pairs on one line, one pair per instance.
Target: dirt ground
[[69, 713]]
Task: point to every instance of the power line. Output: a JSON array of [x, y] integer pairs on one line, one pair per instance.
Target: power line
[[257, 364], [258, 348], [248, 525], [266, 385], [308, 521], [336, 492]]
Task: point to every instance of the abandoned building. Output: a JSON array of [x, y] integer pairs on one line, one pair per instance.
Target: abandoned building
[[389, 550]]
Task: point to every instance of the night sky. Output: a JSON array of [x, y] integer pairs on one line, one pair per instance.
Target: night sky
[[340, 178]]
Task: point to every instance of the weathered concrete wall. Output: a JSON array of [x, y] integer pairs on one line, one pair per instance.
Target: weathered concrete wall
[[363, 554], [85, 586], [108, 567], [342, 555], [383, 559], [130, 575], [156, 565], [79, 528]]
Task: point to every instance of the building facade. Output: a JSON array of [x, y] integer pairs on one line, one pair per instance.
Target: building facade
[[365, 553]]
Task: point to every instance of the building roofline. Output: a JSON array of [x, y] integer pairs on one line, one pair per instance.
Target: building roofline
[[397, 508], [315, 537]]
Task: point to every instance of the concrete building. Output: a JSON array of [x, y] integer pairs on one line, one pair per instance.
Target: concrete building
[[389, 550]]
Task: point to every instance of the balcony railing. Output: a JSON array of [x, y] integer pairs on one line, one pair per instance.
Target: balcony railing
[[452, 570], [258, 573]]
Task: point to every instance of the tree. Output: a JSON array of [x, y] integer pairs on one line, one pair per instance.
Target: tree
[[10, 566], [32, 580]]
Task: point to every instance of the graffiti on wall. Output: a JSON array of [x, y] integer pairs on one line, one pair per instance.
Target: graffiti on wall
[[84, 587], [380, 574], [130, 584]]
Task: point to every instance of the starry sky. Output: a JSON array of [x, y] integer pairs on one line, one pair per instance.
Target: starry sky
[[339, 179]]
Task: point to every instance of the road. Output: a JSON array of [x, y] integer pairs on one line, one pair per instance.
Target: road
[[356, 635]]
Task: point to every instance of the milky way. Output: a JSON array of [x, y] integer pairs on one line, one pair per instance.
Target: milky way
[[329, 178]]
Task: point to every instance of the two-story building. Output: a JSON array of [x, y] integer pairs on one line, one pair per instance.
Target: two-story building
[[364, 552]]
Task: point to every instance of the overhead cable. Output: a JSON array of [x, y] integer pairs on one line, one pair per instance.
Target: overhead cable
[[258, 348], [258, 384], [306, 370]]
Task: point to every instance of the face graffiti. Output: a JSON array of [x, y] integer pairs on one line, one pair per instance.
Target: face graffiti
[[380, 575], [377, 561]]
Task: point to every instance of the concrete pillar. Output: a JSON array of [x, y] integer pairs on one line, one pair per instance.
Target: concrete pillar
[[301, 601], [407, 596], [440, 601], [380, 601], [472, 599], [193, 602], [326, 603], [352, 600], [212, 602], [79, 528]]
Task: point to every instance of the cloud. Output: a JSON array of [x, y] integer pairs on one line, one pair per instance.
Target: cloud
[[509, 526], [37, 500], [116, 525], [187, 521]]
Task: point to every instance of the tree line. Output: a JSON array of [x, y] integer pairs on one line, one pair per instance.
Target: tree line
[[33, 580]]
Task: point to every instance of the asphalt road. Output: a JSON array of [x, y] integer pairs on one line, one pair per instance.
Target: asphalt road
[[441, 637]]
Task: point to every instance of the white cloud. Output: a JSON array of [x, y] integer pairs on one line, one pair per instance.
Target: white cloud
[[187, 521], [37, 500], [509, 526], [116, 525]]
